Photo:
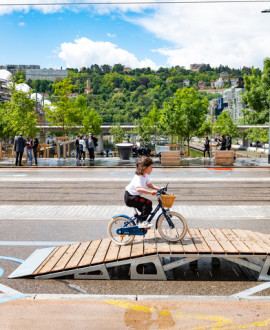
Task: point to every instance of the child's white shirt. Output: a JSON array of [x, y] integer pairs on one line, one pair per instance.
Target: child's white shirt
[[138, 181]]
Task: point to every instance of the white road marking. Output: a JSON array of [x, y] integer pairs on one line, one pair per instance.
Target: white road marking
[[251, 291]]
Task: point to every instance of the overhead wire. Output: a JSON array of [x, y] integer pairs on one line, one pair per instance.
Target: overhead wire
[[131, 2]]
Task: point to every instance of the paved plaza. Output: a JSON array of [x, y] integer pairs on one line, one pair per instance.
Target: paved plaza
[[28, 224]]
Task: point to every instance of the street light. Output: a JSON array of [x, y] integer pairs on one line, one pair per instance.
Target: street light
[[268, 11]]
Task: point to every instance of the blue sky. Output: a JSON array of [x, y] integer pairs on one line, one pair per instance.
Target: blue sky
[[134, 35]]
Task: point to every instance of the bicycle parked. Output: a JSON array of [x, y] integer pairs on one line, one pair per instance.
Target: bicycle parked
[[171, 225]]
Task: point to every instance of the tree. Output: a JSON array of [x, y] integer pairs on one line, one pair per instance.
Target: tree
[[118, 133], [92, 121], [63, 113], [19, 115], [225, 125], [184, 114], [257, 95], [143, 129], [257, 134]]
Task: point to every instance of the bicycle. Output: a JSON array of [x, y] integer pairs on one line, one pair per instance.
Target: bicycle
[[171, 225]]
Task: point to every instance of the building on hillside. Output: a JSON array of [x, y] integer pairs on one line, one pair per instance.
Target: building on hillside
[[219, 83], [212, 107], [201, 84], [186, 82], [212, 90], [233, 81], [45, 74], [127, 69], [195, 67], [224, 74], [88, 89], [233, 97], [13, 68]]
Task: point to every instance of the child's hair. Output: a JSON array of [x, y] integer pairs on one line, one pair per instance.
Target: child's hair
[[142, 165]]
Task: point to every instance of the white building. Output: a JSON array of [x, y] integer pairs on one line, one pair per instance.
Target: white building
[[219, 83], [233, 96]]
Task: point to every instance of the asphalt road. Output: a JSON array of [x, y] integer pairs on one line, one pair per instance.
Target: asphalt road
[[104, 187]]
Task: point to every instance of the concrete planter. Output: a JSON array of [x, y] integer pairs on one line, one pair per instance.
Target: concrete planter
[[124, 150]]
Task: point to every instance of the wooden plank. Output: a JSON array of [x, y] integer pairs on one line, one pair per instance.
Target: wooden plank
[[199, 241], [137, 247], [264, 237], [124, 252], [112, 253], [150, 246], [77, 256], [257, 239], [188, 244], [234, 239], [162, 245], [46, 260], [54, 259], [224, 242], [254, 247], [60, 265], [89, 253], [211, 241], [101, 251], [175, 247]]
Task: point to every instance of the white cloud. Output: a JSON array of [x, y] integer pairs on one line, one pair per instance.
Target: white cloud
[[21, 24], [111, 35], [85, 52], [228, 34]]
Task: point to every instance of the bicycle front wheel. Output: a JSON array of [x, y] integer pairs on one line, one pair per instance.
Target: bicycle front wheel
[[172, 230], [115, 224]]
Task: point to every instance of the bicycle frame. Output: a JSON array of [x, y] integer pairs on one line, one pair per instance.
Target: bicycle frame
[[136, 230]]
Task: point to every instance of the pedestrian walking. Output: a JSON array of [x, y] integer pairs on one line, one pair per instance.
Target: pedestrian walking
[[77, 152], [82, 149], [228, 142], [19, 146], [91, 146], [29, 149], [206, 147], [36, 148]]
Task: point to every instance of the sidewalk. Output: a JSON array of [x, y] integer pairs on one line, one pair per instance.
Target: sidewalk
[[99, 212], [125, 312]]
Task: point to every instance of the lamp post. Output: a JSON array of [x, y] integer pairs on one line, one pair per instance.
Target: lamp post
[[268, 11]]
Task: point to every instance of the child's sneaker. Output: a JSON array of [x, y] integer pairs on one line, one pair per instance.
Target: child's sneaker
[[145, 224]]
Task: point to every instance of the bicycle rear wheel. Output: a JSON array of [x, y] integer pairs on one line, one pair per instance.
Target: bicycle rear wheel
[[115, 224], [179, 225]]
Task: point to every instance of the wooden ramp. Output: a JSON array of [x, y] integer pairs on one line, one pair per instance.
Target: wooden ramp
[[93, 259]]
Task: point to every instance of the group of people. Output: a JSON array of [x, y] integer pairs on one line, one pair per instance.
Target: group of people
[[32, 146], [225, 143], [84, 144]]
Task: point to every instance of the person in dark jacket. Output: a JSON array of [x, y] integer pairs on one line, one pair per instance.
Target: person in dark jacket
[[228, 142], [206, 147], [222, 142], [35, 147], [19, 146]]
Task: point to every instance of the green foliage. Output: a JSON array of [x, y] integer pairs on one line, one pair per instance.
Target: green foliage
[[257, 95], [19, 115], [225, 125], [118, 133], [257, 134], [184, 115], [63, 113], [143, 130]]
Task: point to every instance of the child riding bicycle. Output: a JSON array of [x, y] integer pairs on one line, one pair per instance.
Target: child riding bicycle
[[137, 187]]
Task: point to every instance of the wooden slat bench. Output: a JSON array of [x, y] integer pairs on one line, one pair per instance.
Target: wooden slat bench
[[224, 158], [170, 158], [243, 247]]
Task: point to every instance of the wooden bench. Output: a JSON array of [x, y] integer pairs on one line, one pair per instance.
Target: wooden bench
[[223, 157], [170, 158]]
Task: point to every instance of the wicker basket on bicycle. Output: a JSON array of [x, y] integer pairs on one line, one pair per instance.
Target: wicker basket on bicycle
[[167, 200]]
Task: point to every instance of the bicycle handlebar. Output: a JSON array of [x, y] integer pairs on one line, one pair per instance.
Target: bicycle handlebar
[[163, 190]]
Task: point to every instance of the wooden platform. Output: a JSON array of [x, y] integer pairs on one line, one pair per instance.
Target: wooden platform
[[235, 245], [224, 158]]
